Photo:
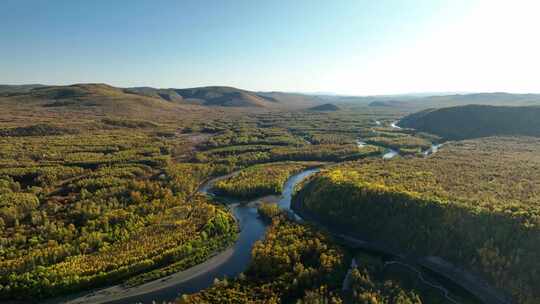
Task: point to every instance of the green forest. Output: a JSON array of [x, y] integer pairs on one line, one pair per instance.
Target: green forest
[[92, 210], [475, 204], [104, 201], [108, 200], [260, 180], [298, 263]]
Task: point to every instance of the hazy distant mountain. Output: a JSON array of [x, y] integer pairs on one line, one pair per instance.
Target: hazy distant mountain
[[327, 107], [420, 101], [481, 98], [474, 121], [389, 103], [500, 99]]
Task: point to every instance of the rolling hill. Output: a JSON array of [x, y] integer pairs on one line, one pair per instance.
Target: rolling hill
[[107, 99], [473, 121], [224, 96], [206, 96], [87, 100], [166, 94]]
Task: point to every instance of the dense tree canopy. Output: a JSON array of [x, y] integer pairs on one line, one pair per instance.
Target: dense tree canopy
[[78, 212], [259, 180], [97, 201], [476, 204]]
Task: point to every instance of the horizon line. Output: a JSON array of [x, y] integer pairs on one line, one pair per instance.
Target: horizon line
[[312, 93]]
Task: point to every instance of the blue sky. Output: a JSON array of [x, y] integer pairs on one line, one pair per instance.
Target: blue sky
[[347, 46]]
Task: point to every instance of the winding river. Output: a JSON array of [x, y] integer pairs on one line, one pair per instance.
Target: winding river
[[252, 229], [229, 263], [391, 153], [387, 153]]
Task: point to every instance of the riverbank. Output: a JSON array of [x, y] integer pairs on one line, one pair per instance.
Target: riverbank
[[228, 263], [466, 280], [236, 259], [122, 294]]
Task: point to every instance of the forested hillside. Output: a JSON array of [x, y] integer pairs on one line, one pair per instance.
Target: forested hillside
[[296, 263], [475, 121], [475, 203]]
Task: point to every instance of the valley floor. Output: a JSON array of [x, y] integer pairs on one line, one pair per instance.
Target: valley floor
[[116, 210]]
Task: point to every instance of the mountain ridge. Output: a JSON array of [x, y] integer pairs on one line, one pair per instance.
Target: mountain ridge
[[211, 96], [85, 101]]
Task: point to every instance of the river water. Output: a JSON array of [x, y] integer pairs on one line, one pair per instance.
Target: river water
[[390, 153], [434, 149], [252, 229], [394, 125], [361, 144], [387, 154]]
